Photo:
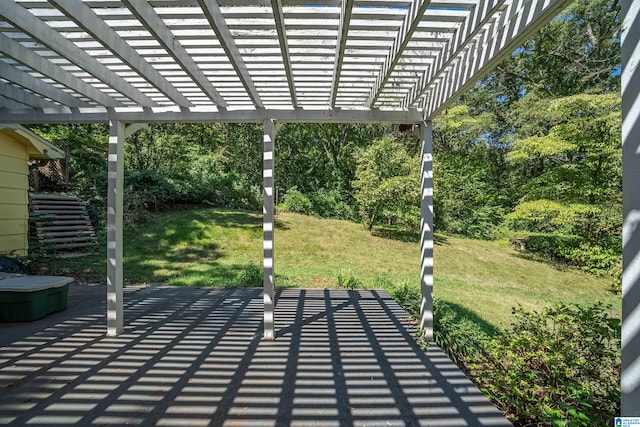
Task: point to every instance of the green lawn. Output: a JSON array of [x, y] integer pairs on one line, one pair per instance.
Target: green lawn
[[224, 248]]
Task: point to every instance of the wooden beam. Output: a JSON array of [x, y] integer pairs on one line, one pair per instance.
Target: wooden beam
[[177, 115], [36, 85], [518, 22], [115, 204], [426, 231], [278, 16], [268, 226], [43, 33], [87, 19], [212, 12], [479, 17], [15, 50], [7, 103], [343, 31], [409, 25], [630, 384], [156, 26], [22, 96]]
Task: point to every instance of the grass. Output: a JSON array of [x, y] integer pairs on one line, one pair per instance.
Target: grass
[[210, 247]]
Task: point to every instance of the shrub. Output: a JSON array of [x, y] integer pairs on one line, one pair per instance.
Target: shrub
[[295, 201], [346, 280], [459, 332], [330, 204], [251, 275], [409, 298], [559, 367]]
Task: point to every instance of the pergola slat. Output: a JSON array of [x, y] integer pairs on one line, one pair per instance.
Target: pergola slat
[[21, 54], [36, 85], [498, 41], [343, 30], [278, 16], [154, 25], [91, 23], [23, 19], [214, 15]]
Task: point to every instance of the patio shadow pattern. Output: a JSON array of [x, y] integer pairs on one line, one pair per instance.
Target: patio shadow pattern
[[195, 357]]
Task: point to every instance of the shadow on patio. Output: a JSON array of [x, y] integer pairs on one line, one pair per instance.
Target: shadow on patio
[[194, 356]]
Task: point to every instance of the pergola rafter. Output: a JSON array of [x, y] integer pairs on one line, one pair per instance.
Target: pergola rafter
[[341, 43], [27, 22], [87, 19], [156, 26], [35, 85], [23, 97], [409, 26], [15, 50], [278, 16], [214, 15]]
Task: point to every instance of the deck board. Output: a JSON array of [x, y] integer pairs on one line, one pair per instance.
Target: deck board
[[195, 356]]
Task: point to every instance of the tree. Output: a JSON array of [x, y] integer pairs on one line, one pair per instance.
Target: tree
[[387, 183], [568, 160]]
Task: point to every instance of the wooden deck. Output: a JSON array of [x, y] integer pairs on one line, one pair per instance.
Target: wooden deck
[[195, 357]]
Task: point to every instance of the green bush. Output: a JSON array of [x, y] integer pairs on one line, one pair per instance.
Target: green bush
[[559, 367], [251, 275], [570, 249], [330, 204], [459, 332], [296, 202], [346, 280], [409, 298]]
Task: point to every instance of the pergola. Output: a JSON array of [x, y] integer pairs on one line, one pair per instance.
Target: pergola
[[133, 62]]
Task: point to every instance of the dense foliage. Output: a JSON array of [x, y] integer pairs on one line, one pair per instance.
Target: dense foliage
[[557, 367]]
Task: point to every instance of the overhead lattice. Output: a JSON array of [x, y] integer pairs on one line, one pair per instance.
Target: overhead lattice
[[70, 56]]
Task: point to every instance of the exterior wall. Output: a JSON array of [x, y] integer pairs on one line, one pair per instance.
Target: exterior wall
[[14, 209]]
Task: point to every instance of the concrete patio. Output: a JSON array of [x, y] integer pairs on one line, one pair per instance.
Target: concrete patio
[[195, 356]]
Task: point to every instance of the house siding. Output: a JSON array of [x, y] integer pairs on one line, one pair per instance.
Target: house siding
[[14, 204]]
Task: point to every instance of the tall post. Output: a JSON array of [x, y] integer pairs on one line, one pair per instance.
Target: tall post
[[267, 226], [115, 322], [630, 386], [426, 232]]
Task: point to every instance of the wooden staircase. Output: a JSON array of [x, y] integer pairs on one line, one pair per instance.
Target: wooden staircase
[[61, 225]]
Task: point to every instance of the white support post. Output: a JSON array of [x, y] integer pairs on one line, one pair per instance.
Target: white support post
[[115, 322], [630, 386], [268, 226], [426, 233]]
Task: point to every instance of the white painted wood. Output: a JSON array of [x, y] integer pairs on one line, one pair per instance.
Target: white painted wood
[[426, 232], [94, 25], [23, 19], [214, 16], [19, 95], [515, 25], [115, 312], [343, 31], [268, 224], [7, 103], [18, 52], [152, 23], [132, 128], [247, 56], [630, 384], [410, 24], [297, 115], [36, 85], [281, 28]]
